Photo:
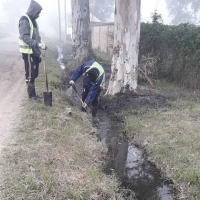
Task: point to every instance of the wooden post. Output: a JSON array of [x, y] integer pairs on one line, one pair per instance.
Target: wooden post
[[65, 21], [59, 20]]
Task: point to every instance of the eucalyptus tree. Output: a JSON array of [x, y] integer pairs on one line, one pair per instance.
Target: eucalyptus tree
[[124, 73], [81, 31]]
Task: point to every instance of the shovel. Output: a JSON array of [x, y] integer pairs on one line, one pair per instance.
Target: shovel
[[80, 99], [47, 95], [74, 87]]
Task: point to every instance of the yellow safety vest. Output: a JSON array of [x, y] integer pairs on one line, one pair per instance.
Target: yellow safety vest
[[101, 70], [23, 47]]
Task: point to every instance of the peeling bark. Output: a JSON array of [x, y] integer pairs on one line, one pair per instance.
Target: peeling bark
[[124, 72], [81, 31]]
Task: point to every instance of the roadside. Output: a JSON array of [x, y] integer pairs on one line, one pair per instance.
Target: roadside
[[12, 91], [12, 87]]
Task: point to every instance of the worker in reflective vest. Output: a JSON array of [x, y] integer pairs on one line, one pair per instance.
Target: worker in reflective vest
[[30, 46], [93, 83]]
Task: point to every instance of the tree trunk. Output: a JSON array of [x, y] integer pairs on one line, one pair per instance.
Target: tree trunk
[[81, 32], [124, 73]]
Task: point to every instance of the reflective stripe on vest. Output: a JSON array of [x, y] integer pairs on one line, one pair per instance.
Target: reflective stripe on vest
[[101, 70], [23, 47]]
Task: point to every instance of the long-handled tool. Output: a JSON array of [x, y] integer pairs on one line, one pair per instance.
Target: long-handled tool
[[83, 109], [74, 87], [47, 95]]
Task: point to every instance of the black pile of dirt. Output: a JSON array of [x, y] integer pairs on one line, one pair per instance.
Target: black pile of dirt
[[130, 100]]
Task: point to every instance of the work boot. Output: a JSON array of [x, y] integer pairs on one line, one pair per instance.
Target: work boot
[[31, 91], [94, 111], [34, 94], [83, 109], [33, 98]]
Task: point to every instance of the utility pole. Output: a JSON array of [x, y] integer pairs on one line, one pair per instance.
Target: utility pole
[[59, 20], [65, 21]]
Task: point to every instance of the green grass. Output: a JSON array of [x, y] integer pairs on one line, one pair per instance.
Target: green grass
[[102, 56], [55, 156], [171, 137]]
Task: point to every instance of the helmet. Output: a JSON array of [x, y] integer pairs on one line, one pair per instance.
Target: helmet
[[92, 75]]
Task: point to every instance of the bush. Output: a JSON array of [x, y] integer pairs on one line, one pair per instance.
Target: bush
[[177, 49]]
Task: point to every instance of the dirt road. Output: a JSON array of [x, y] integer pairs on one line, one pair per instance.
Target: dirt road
[[12, 87]]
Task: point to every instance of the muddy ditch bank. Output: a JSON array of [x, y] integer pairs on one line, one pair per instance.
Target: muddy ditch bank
[[129, 161]]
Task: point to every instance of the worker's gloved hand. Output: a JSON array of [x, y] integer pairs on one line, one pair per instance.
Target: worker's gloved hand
[[42, 46], [84, 107], [71, 82]]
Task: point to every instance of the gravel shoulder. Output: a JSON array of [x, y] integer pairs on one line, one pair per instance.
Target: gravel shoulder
[[12, 88]]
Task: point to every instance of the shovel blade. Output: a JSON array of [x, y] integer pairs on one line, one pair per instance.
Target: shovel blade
[[47, 98]]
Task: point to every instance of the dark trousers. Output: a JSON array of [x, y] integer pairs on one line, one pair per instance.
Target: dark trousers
[[94, 103], [31, 64]]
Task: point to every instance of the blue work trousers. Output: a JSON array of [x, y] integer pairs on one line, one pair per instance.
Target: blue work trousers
[[31, 64], [95, 102]]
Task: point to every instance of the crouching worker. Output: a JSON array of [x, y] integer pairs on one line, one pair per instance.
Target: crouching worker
[[94, 77]]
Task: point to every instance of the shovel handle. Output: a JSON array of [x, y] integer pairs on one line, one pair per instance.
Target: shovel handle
[[45, 72], [47, 83], [74, 87]]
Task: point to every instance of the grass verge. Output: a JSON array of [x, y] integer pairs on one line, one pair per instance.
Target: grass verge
[[55, 155], [171, 137]]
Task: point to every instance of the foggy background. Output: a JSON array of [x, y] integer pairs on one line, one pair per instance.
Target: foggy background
[[147, 8], [12, 10], [172, 11]]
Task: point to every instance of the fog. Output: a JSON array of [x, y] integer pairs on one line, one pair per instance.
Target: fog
[[48, 21], [12, 10], [149, 7]]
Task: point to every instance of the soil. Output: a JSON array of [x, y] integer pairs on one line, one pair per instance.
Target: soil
[[12, 88]]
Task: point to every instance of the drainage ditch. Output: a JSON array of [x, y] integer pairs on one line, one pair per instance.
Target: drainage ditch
[[128, 161], [133, 169]]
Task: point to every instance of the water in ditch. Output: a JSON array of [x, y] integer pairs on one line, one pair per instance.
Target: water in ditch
[[134, 170], [60, 58]]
